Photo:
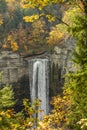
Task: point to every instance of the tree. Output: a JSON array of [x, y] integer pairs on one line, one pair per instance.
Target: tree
[[27, 38], [9, 118], [41, 5], [9, 20], [77, 81], [5, 100], [75, 24], [15, 34]]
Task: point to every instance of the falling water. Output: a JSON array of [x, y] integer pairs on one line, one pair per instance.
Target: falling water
[[39, 83]]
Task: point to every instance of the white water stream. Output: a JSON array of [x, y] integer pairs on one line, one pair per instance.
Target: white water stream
[[39, 83]]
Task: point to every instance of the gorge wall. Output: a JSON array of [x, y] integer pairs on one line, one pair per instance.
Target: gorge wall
[[15, 71], [61, 63]]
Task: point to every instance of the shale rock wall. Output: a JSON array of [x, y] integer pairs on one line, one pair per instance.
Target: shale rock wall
[[61, 63], [15, 69], [12, 66]]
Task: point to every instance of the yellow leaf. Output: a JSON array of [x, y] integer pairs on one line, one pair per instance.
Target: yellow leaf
[[0, 118], [9, 37], [4, 45], [1, 21], [14, 46], [31, 18]]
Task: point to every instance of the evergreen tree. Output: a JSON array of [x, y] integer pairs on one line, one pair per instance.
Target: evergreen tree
[[77, 83], [6, 97]]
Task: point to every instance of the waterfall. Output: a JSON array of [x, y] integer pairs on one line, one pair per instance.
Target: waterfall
[[39, 83]]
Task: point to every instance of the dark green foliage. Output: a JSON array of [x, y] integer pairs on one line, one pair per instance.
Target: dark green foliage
[[6, 97], [3, 6], [79, 31], [77, 82], [9, 119], [78, 87]]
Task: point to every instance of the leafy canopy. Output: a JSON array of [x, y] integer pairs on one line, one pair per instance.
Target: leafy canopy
[[40, 6]]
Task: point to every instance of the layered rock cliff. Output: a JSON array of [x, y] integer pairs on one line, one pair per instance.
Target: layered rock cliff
[[15, 69]]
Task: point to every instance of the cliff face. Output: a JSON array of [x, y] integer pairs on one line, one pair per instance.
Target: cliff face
[[62, 54], [61, 63], [15, 69], [12, 66]]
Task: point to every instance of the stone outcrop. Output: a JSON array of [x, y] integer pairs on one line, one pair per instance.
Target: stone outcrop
[[62, 54], [61, 63], [12, 66], [15, 70]]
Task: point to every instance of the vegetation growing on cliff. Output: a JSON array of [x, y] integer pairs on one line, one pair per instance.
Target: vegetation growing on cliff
[[12, 120], [70, 109]]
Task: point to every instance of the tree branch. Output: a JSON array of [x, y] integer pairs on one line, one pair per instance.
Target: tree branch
[[56, 17]]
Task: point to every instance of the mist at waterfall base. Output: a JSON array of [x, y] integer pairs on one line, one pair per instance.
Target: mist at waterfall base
[[39, 83]]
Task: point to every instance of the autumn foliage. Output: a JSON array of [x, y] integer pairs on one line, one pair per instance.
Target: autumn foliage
[[26, 25]]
